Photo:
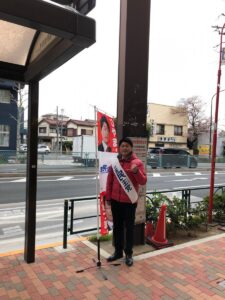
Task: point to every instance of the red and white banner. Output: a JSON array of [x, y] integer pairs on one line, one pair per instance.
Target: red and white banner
[[107, 152]]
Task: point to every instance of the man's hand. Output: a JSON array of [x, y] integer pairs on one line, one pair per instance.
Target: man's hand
[[134, 168]]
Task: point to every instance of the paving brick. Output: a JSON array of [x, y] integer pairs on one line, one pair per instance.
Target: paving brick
[[189, 273]]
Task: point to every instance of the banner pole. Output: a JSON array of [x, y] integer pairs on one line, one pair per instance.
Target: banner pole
[[97, 187]]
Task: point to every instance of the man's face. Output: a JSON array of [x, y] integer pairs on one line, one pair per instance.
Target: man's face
[[125, 149], [105, 133]]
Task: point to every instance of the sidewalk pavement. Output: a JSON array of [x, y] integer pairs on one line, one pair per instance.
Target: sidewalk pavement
[[194, 270]]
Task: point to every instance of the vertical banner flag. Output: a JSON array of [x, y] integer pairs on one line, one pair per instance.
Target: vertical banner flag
[[107, 151]]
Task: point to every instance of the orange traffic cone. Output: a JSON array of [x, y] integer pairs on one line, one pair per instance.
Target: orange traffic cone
[[159, 239]]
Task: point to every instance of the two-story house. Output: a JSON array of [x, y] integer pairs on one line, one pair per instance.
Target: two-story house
[[167, 127], [54, 129], [79, 127]]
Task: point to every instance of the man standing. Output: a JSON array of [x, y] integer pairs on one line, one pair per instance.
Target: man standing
[[124, 178]]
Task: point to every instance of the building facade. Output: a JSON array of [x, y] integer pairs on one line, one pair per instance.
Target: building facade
[[167, 127], [8, 115]]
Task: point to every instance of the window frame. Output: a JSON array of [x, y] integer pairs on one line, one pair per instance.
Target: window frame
[[4, 97], [177, 133], [4, 132], [160, 132]]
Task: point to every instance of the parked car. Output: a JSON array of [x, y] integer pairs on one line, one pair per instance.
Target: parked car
[[23, 148], [43, 149], [170, 158]]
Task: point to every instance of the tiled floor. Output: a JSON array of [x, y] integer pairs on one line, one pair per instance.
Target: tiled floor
[[185, 272]]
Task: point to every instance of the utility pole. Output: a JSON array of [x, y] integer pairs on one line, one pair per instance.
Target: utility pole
[[215, 127]]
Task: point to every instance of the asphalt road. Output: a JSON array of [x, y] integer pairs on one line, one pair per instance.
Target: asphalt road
[[71, 186]]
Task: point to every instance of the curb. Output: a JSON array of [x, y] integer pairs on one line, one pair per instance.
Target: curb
[[45, 246]]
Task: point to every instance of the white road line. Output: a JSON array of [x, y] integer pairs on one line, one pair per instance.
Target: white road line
[[156, 175], [64, 178], [190, 186], [191, 179], [198, 173], [178, 174], [19, 180]]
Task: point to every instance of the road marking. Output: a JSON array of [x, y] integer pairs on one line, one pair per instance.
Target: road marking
[[19, 180], [191, 179], [11, 231], [64, 178], [190, 186], [178, 174], [198, 173], [156, 175]]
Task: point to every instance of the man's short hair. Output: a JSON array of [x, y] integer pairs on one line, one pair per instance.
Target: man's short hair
[[104, 120], [126, 140]]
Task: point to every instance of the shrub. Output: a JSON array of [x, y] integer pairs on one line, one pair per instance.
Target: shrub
[[177, 214]]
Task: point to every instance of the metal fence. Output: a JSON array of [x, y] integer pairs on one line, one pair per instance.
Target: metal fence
[[20, 157], [69, 207]]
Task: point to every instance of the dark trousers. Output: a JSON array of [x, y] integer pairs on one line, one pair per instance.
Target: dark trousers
[[123, 219]]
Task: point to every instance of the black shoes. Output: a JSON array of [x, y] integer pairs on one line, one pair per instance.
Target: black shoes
[[129, 260], [115, 256]]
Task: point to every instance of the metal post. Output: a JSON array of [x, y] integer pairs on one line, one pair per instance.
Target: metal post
[[71, 216], [210, 128], [65, 227], [62, 111], [57, 129], [133, 76], [215, 131], [31, 182]]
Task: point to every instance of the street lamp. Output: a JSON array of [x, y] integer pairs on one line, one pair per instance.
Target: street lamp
[[215, 130], [210, 128]]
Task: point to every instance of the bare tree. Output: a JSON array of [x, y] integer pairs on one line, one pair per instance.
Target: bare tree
[[193, 108]]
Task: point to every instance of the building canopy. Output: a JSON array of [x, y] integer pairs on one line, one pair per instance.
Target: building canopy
[[39, 36]]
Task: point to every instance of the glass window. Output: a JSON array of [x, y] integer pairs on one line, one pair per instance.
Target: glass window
[[42, 129], [178, 130], [52, 130], [89, 132], [83, 131], [71, 132], [160, 129], [5, 96], [4, 135]]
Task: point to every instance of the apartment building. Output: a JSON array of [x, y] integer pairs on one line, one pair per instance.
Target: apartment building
[[168, 128]]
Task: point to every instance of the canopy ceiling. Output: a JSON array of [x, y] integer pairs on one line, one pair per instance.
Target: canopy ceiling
[[38, 36]]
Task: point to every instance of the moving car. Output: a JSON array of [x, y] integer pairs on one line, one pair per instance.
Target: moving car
[[43, 149], [170, 158]]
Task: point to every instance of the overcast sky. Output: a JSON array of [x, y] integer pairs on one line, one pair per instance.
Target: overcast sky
[[182, 60]]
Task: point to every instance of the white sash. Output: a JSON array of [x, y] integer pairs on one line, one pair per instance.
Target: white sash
[[124, 181]]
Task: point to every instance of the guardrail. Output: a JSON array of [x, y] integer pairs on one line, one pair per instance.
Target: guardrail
[[69, 206]]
